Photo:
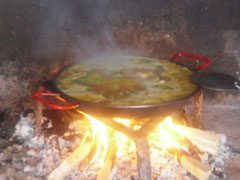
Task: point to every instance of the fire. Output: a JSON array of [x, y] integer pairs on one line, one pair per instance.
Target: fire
[[99, 132], [104, 144], [120, 137], [103, 135], [168, 135]]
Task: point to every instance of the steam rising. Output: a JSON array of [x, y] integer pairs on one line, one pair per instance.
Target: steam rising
[[79, 27], [83, 29]]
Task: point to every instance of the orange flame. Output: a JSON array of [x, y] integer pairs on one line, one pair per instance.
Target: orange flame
[[124, 143], [99, 132], [167, 135]]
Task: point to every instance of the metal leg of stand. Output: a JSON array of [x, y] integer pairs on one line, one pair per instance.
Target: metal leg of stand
[[38, 118], [197, 109], [143, 159]]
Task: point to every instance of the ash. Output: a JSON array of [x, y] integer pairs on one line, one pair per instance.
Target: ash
[[26, 156], [217, 162]]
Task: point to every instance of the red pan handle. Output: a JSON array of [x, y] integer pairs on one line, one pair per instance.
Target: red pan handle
[[193, 56], [37, 96]]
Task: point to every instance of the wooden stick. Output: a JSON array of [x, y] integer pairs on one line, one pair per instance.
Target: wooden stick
[[197, 109], [38, 118], [205, 141], [106, 170], [200, 134], [143, 159], [72, 161], [195, 167]]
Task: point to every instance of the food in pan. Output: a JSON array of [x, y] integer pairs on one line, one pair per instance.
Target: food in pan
[[144, 81]]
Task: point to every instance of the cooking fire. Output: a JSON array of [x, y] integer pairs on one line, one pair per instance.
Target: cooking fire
[[188, 146], [92, 150]]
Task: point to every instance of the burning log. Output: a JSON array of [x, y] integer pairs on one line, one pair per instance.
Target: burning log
[[198, 169], [174, 137], [87, 152], [72, 161], [205, 141], [109, 160]]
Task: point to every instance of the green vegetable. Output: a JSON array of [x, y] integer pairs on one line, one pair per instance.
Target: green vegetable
[[88, 89], [141, 61], [98, 79], [92, 77], [163, 86], [116, 73], [62, 86]]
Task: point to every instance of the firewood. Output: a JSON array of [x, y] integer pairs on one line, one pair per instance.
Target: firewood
[[196, 168], [106, 170], [205, 141], [196, 137], [200, 134], [72, 161]]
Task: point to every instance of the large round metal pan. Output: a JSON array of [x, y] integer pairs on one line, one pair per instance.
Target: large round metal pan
[[125, 111]]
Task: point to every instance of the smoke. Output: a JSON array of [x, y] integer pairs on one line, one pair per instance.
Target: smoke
[[77, 27]]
